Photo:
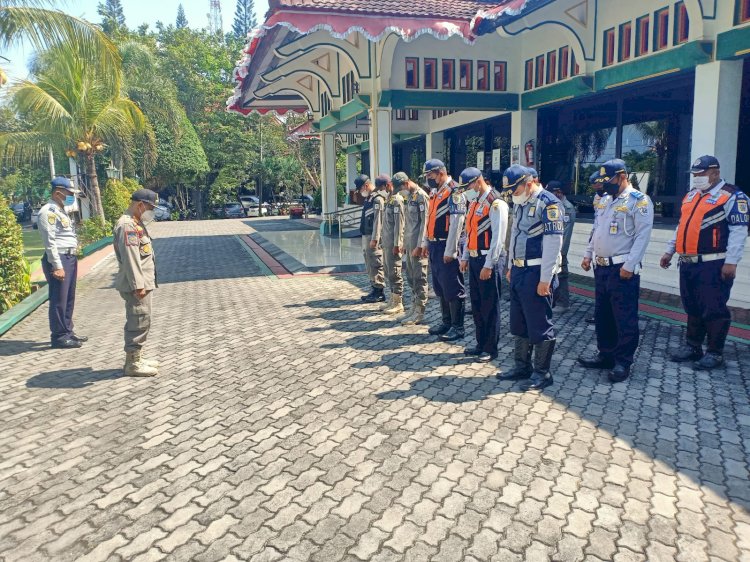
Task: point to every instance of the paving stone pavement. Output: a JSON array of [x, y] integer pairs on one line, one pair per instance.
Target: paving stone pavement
[[292, 423]]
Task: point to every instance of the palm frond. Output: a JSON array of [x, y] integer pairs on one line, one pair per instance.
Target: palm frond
[[29, 146]]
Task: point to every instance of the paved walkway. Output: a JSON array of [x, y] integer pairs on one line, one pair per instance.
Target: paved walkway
[[290, 423]]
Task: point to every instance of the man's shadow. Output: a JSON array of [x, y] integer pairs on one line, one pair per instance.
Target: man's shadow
[[72, 378], [8, 348]]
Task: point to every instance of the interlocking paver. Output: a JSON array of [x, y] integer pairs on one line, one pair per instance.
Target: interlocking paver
[[291, 423]]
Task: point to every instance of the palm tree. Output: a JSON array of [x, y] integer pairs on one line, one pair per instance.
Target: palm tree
[[43, 27], [72, 109]]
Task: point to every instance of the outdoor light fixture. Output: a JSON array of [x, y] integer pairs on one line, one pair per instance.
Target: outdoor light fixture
[[112, 171], [355, 87]]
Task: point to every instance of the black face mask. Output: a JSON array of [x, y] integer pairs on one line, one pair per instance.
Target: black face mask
[[611, 189], [599, 192], [432, 183]]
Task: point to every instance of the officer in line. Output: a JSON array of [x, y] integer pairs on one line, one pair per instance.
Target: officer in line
[[392, 243], [60, 263], [136, 279], [486, 224], [598, 194], [415, 230], [621, 234], [445, 222], [506, 195], [534, 260], [562, 293], [710, 239], [370, 227]]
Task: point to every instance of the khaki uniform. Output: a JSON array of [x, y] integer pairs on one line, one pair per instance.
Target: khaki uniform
[[393, 237], [371, 229], [415, 231], [135, 254]]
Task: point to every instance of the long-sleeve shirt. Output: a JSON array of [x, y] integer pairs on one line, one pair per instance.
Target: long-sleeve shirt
[[393, 222], [57, 231], [623, 226], [456, 210], [415, 229], [737, 228], [135, 254], [371, 223], [498, 216], [569, 218]]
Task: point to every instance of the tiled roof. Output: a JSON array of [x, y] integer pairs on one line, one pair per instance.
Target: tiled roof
[[453, 9]]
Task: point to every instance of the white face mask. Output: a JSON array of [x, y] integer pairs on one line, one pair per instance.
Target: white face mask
[[701, 183], [521, 199], [147, 216]]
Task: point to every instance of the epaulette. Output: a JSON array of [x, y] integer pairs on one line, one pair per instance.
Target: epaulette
[[637, 194], [548, 198]]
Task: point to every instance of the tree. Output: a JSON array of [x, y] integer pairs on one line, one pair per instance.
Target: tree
[[14, 269], [182, 21], [244, 18], [70, 108], [113, 18]]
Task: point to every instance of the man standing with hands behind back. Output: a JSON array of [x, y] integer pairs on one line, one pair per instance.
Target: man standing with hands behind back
[[136, 279]]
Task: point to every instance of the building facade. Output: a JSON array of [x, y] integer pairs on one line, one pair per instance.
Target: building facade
[[558, 84]]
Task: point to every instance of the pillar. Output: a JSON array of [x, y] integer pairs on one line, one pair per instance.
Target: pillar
[[523, 128], [716, 113], [328, 194], [351, 173], [381, 142], [435, 146]]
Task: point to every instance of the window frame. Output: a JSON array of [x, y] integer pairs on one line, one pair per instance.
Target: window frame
[[503, 67], [452, 64], [528, 75], [681, 23], [539, 75], [625, 42], [642, 35], [486, 65], [608, 47], [661, 29], [433, 75], [469, 66], [742, 14], [552, 67], [415, 62], [564, 63], [399, 114], [412, 115]]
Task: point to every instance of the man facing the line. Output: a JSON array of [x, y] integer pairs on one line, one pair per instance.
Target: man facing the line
[[370, 227], [415, 231], [392, 242]]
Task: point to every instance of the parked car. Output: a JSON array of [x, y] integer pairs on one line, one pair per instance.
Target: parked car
[[234, 211], [22, 211], [252, 206], [163, 212], [35, 218]]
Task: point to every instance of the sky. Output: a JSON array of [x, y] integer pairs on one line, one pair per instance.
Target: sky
[[137, 12]]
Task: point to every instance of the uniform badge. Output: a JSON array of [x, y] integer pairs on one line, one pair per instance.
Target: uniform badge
[[603, 171], [532, 211], [506, 182], [496, 203], [622, 209], [421, 207], [146, 249], [456, 198], [697, 163], [65, 222], [52, 219], [131, 238], [742, 205], [553, 213]]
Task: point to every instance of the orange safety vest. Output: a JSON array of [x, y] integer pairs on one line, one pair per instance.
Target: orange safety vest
[[478, 233], [703, 225], [438, 219]]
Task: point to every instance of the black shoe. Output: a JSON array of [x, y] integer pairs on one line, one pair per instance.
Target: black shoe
[[485, 357], [686, 353], [472, 351], [453, 334], [619, 373], [66, 344], [541, 377], [439, 330], [445, 324], [368, 296], [538, 381], [82, 339], [522, 358], [709, 361], [590, 320], [596, 362], [377, 295], [514, 375]]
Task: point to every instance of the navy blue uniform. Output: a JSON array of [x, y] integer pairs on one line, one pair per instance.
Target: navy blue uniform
[[62, 296]]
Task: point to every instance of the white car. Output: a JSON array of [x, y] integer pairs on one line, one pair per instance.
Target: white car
[[252, 206]]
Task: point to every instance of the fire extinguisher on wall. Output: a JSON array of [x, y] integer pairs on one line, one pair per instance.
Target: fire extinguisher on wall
[[529, 149]]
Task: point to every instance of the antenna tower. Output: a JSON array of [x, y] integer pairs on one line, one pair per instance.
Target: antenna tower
[[215, 23]]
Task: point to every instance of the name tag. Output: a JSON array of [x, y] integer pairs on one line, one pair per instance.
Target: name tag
[[421, 207], [532, 211], [395, 210]]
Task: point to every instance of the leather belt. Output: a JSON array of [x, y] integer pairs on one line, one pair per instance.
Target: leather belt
[[700, 258], [527, 263], [437, 239], [477, 253], [614, 260], [68, 252]]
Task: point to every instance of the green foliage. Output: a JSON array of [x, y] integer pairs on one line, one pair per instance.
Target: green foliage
[[181, 156], [182, 21], [116, 197], [244, 18], [15, 284], [113, 17], [93, 230]]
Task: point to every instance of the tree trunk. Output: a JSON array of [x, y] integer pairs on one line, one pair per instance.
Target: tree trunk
[[94, 186]]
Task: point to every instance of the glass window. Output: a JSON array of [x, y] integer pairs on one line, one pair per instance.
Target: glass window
[[413, 115], [501, 70], [400, 115], [551, 67], [661, 33], [412, 72], [564, 63], [448, 74], [466, 74], [682, 24], [743, 11], [539, 71], [483, 75], [641, 36], [430, 74], [609, 47], [529, 82], [626, 40]]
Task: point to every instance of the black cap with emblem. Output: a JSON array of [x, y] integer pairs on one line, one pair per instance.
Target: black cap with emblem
[[145, 196]]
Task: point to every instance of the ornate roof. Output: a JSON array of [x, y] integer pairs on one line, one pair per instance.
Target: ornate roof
[[453, 9]]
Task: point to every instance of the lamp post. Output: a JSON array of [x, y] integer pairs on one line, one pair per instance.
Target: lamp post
[[112, 172]]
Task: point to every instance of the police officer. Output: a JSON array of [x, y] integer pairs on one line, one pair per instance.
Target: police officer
[[370, 227], [710, 240], [486, 224], [136, 279], [445, 222], [393, 242], [415, 230], [562, 293], [534, 260], [622, 230], [60, 263]]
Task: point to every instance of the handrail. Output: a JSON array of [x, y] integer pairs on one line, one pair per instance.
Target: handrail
[[343, 217]]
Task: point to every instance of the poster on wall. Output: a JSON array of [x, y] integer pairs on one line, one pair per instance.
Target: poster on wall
[[515, 154], [480, 160], [495, 159]]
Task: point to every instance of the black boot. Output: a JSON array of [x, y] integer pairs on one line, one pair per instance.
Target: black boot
[[446, 321], [377, 295], [368, 296], [456, 331], [522, 359], [686, 353], [541, 377]]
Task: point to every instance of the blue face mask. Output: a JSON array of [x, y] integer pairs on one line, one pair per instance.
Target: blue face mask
[[70, 200]]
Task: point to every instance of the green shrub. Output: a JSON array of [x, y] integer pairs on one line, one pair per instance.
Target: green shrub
[[15, 280], [92, 230], [116, 197]]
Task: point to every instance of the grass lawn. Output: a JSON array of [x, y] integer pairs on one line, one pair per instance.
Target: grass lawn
[[32, 245]]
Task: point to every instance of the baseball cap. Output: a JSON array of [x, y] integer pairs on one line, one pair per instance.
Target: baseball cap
[[360, 180], [610, 169], [533, 173], [704, 163], [515, 175], [382, 180], [61, 182], [555, 185], [432, 165], [145, 196], [399, 179], [594, 178], [468, 175]]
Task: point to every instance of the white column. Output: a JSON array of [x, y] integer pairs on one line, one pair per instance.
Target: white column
[[381, 142], [351, 173], [435, 146], [328, 172], [523, 127], [716, 113]]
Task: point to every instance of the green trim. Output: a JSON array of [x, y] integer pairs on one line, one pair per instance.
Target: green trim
[[98, 245], [20, 311], [415, 99], [567, 89], [733, 44], [349, 111], [365, 145], [353, 149], [406, 136], [669, 61], [328, 122]]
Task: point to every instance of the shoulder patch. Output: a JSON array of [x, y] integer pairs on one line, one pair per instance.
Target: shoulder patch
[[456, 198], [553, 213], [52, 218], [742, 205], [131, 238], [496, 204], [642, 202]]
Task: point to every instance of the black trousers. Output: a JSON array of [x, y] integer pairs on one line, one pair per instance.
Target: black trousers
[[485, 299], [704, 297], [616, 314], [62, 297], [447, 279], [530, 314]]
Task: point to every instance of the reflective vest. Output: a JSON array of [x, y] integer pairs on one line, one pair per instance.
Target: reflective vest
[[439, 220], [368, 214], [703, 224], [478, 232]]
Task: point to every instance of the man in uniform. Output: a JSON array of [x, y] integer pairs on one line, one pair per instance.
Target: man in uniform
[[534, 261], [392, 242], [622, 230], [562, 294], [445, 222], [60, 263], [415, 230], [136, 279], [710, 240], [486, 223], [598, 194], [370, 227]]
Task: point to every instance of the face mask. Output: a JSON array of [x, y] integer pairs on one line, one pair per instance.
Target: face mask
[[599, 192], [147, 216], [432, 183], [521, 199], [70, 200], [611, 189], [700, 182]]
